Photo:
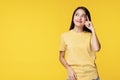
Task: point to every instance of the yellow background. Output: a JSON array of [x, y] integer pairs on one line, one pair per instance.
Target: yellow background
[[30, 32]]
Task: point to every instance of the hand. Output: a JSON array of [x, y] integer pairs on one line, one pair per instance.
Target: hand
[[71, 74], [89, 24]]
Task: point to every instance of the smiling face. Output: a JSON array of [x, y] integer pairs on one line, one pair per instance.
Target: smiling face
[[79, 18]]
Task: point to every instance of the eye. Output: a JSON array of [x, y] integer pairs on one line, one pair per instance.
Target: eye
[[76, 14], [84, 15]]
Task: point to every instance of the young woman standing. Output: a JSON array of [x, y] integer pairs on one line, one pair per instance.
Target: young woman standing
[[78, 47]]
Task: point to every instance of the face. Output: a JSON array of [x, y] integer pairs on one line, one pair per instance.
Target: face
[[79, 18]]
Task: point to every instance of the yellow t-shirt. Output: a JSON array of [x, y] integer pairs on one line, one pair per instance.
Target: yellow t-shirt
[[79, 55]]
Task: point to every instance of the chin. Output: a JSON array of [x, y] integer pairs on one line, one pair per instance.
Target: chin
[[79, 25]]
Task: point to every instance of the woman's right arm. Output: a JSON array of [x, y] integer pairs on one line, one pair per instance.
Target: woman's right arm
[[71, 74], [62, 59]]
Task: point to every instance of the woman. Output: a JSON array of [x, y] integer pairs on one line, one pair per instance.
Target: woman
[[78, 47]]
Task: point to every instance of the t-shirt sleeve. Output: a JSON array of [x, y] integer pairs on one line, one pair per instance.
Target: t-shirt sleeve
[[62, 44]]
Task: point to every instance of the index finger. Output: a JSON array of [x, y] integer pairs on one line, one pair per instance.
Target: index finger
[[88, 19]]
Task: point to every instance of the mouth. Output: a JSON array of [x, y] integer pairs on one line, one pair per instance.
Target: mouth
[[79, 21]]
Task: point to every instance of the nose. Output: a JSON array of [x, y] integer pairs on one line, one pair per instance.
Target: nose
[[79, 18]]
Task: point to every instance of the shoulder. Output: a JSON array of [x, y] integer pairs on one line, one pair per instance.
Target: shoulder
[[65, 34], [87, 33]]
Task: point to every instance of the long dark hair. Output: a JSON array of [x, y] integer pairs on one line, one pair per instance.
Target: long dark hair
[[87, 13]]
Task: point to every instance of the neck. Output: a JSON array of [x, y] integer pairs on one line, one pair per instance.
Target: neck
[[78, 29]]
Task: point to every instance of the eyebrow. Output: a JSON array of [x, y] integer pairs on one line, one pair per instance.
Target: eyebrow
[[84, 14]]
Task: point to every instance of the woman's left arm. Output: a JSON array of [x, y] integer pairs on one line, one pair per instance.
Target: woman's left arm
[[95, 44]]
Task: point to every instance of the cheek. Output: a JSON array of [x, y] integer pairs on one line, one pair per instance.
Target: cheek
[[74, 19], [84, 20]]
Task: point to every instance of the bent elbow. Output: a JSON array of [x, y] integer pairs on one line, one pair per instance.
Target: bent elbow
[[97, 49]]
